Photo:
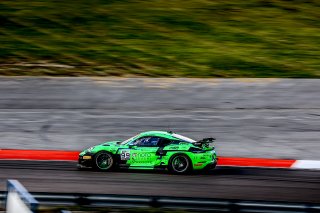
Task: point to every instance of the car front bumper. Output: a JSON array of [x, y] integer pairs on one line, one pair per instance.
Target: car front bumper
[[85, 161]]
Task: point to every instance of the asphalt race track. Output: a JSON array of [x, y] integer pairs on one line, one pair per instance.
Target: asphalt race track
[[225, 182], [268, 118], [264, 118]]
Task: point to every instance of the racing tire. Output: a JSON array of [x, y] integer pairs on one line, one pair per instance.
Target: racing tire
[[103, 161], [180, 164]]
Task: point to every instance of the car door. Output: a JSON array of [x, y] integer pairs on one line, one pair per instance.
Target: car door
[[143, 152]]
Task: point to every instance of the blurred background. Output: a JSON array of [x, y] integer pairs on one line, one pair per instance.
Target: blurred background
[[194, 38]]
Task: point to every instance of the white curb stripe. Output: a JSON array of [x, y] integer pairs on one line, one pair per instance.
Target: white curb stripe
[[306, 164]]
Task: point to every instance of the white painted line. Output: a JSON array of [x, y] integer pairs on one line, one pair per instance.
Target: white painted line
[[306, 164]]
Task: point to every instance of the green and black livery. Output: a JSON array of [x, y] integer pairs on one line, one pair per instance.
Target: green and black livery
[[152, 150]]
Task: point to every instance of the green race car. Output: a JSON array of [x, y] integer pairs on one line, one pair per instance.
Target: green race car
[[152, 150]]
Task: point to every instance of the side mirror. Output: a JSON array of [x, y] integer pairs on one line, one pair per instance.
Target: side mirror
[[132, 146]]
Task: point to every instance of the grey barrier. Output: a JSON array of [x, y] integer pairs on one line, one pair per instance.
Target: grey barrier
[[200, 204]]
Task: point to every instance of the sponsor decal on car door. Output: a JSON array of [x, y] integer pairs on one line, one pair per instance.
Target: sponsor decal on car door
[[143, 151], [143, 156]]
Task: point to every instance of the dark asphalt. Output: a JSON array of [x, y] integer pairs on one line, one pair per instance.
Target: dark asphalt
[[224, 182]]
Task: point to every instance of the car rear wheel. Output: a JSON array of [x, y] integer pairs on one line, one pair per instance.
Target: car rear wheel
[[180, 164], [103, 161]]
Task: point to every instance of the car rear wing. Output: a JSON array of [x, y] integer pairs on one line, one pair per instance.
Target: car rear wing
[[204, 141]]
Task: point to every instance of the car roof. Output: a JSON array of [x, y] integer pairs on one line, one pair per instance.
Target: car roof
[[164, 134], [157, 133]]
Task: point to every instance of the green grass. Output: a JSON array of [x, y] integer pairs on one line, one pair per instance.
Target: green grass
[[157, 38]]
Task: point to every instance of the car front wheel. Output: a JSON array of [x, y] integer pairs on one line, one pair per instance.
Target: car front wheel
[[103, 161]]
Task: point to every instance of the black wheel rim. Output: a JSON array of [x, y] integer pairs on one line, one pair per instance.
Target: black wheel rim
[[104, 161], [180, 164]]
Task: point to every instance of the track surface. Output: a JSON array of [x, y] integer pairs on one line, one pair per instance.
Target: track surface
[[267, 118], [225, 182]]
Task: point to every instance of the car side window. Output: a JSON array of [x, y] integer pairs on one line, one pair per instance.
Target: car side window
[[164, 142], [146, 141]]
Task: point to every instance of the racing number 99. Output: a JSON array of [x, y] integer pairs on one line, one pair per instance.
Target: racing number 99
[[125, 155]]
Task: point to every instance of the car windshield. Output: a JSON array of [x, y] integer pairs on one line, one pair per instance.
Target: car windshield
[[183, 138], [128, 140]]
